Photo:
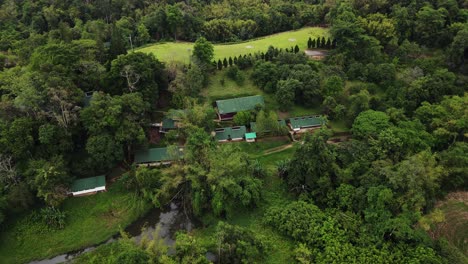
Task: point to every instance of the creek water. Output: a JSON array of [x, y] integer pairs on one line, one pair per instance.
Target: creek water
[[169, 220]]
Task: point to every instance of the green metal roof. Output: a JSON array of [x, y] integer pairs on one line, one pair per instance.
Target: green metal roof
[[88, 183], [306, 121], [281, 122], [251, 135], [239, 104], [230, 132], [168, 123], [154, 155]]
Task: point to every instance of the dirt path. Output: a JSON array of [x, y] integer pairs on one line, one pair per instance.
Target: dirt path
[[277, 149]]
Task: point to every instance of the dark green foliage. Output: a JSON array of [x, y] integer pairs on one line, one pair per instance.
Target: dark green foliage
[[220, 65], [230, 61], [53, 217], [313, 168], [296, 49], [238, 245], [319, 43], [235, 74], [309, 43], [225, 63], [265, 75], [285, 93], [138, 72], [203, 50]]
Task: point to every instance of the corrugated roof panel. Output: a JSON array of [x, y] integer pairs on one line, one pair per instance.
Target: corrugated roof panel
[[239, 104]]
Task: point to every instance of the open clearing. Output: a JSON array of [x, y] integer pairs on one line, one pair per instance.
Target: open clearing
[[455, 226], [181, 51]]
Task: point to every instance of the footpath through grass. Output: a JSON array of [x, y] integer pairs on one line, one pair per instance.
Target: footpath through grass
[[90, 220], [181, 51]]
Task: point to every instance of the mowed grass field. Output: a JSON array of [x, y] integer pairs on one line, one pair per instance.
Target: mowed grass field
[[181, 51]]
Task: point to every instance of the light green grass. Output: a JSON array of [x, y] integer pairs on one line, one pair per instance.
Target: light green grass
[[181, 51], [90, 220]]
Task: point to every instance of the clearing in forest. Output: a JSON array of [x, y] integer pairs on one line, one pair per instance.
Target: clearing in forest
[[181, 51], [454, 226]]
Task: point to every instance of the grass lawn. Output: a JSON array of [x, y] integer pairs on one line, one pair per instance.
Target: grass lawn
[[90, 220], [181, 51]]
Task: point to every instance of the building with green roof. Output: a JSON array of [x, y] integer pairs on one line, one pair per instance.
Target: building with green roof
[[230, 133], [306, 122], [250, 137], [167, 125], [253, 126], [157, 156], [88, 185], [226, 109]]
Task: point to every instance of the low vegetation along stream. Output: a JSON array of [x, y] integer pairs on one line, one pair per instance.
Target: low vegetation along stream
[[170, 220]]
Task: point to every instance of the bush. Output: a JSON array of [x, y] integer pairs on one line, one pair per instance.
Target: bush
[[238, 245], [243, 118], [235, 74], [53, 217]]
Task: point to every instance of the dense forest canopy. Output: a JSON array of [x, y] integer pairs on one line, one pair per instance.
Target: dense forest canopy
[[76, 100]]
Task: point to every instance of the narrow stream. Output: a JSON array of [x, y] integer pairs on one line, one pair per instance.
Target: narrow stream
[[170, 220]]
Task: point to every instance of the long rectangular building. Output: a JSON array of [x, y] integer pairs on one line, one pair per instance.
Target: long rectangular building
[[89, 185], [306, 122], [230, 133], [157, 156], [226, 109]]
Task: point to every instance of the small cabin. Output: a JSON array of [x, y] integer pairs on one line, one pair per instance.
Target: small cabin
[[88, 186], [157, 156], [304, 123], [226, 134], [250, 137], [227, 109]]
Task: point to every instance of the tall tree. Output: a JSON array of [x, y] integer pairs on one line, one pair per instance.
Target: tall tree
[[203, 50]]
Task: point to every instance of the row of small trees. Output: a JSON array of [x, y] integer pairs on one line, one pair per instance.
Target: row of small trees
[[321, 43], [244, 61]]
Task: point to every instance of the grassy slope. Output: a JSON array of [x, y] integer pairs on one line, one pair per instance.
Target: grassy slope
[[455, 226], [179, 51], [90, 220]]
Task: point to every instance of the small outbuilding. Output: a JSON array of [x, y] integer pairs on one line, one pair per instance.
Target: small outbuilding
[[227, 109], [167, 125], [250, 137], [157, 156], [230, 133], [304, 123], [88, 186]]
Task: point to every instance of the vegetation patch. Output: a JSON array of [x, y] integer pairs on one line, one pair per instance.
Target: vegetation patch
[[89, 220], [182, 51]]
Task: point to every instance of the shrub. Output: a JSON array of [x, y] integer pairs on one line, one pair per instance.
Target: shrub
[[53, 217], [236, 75]]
